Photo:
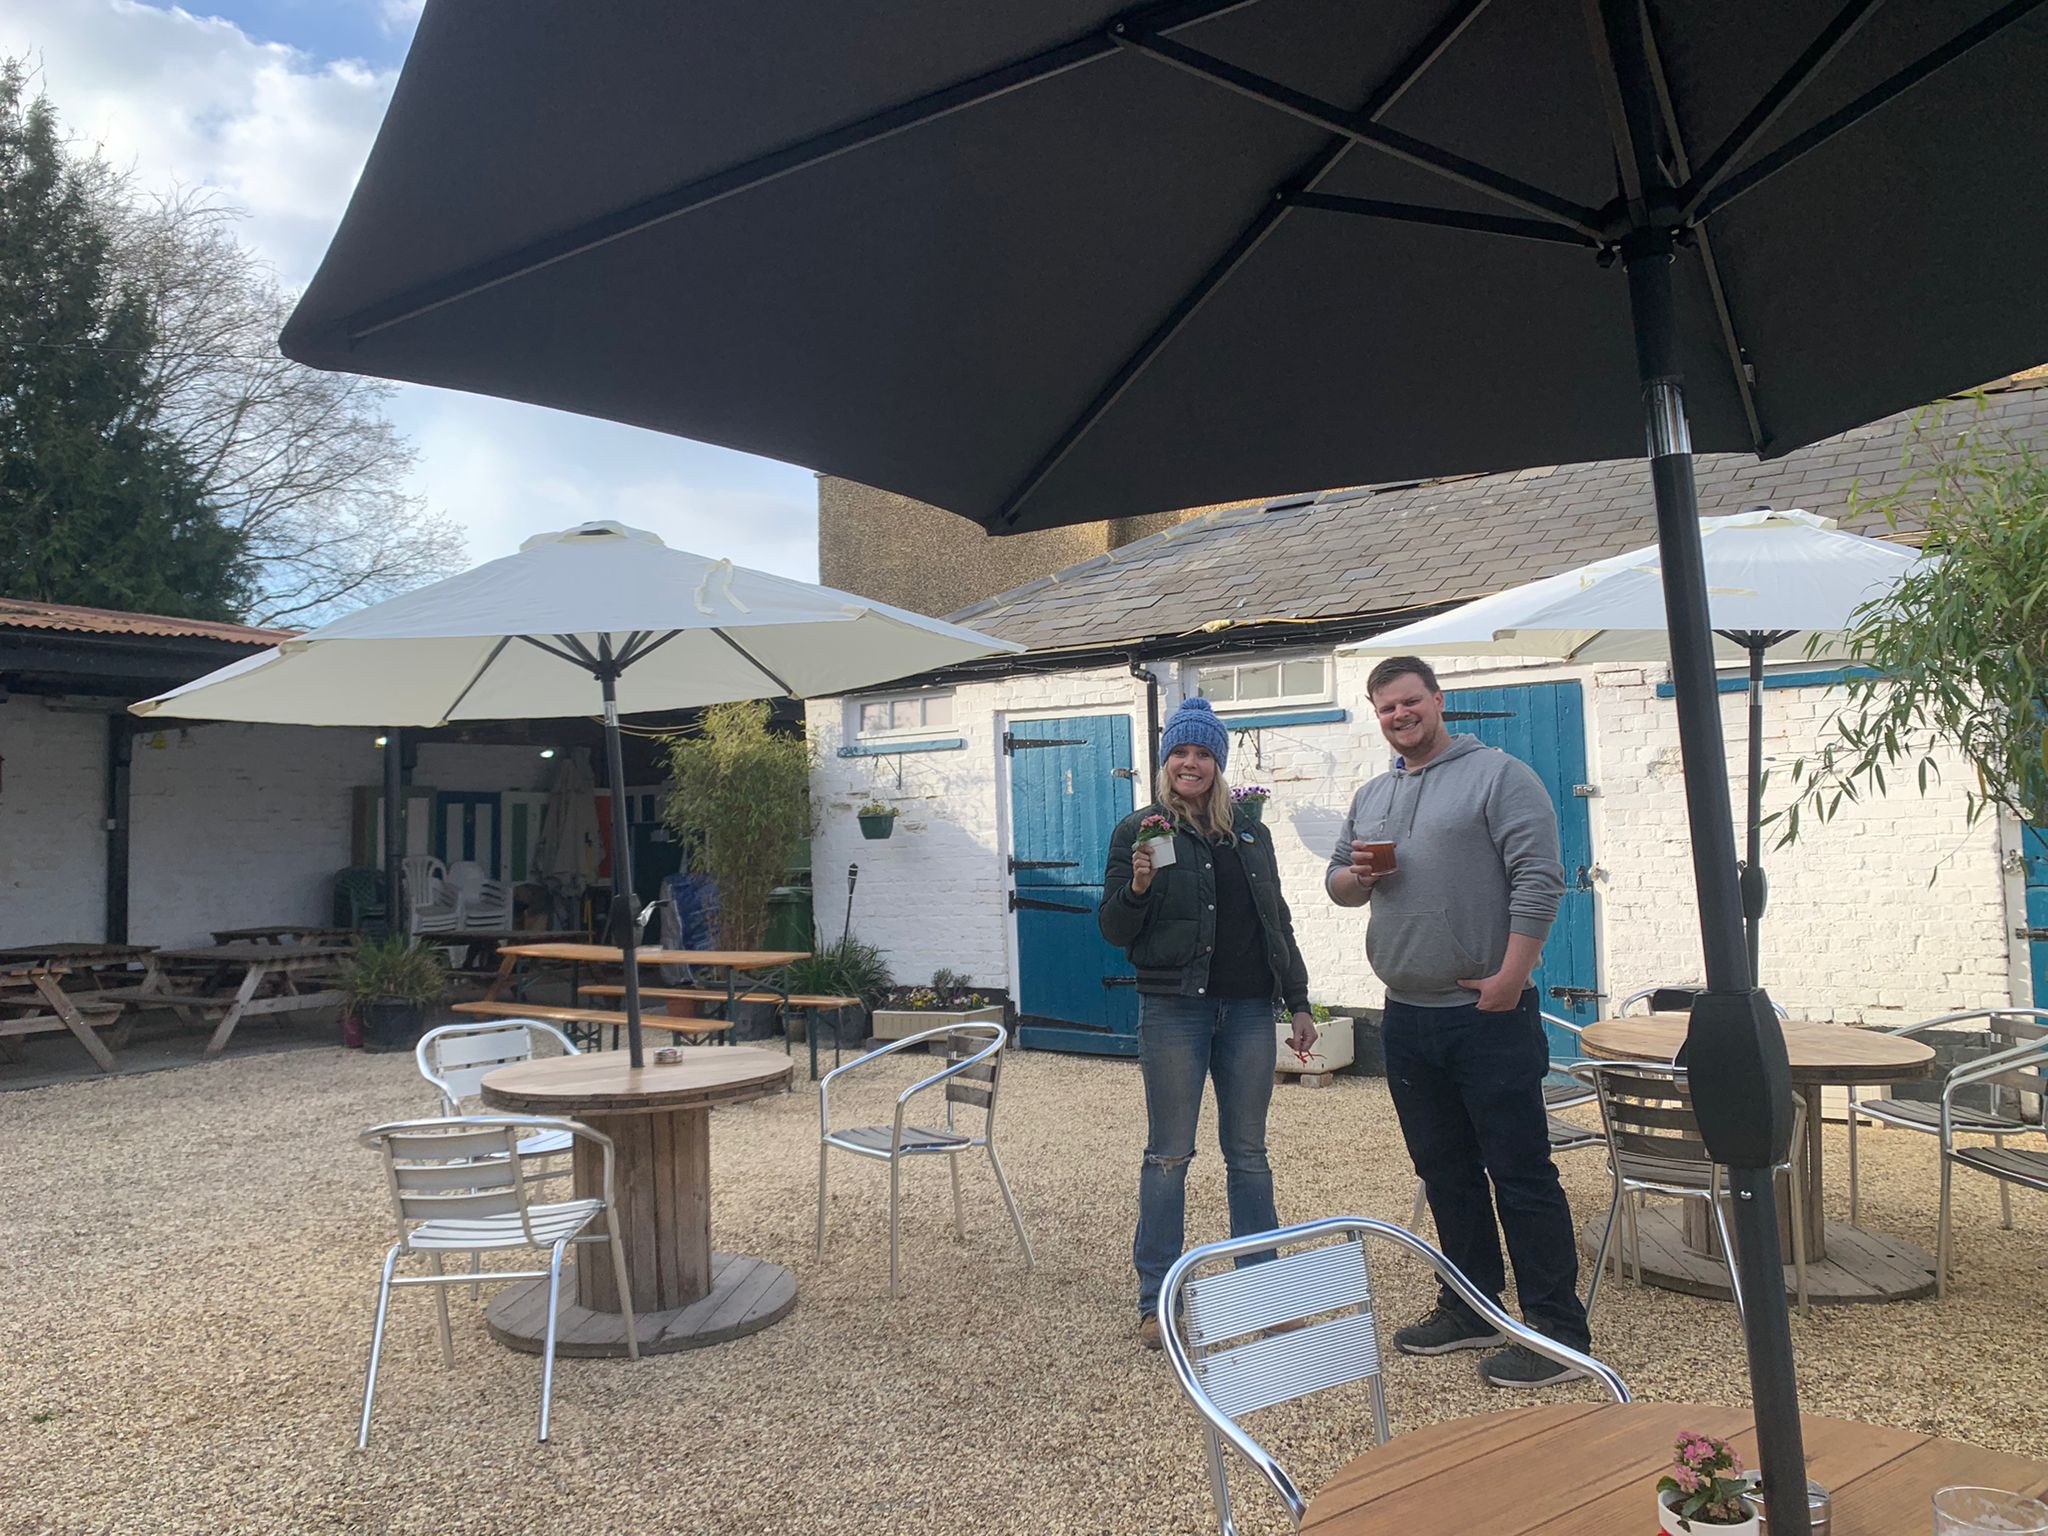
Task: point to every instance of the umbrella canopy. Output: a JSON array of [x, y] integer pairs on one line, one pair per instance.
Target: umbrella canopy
[[1063, 260], [1770, 575], [526, 637]]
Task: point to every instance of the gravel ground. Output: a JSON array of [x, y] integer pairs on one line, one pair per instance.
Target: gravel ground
[[190, 1263]]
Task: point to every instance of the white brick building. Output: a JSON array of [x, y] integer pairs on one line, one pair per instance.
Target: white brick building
[[1896, 910]]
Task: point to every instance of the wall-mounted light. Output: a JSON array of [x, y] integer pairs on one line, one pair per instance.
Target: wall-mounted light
[[381, 741], [547, 751]]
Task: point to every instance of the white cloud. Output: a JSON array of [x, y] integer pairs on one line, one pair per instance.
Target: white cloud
[[196, 102]]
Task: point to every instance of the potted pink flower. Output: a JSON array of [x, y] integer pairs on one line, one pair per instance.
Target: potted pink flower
[[1156, 833], [1705, 1488]]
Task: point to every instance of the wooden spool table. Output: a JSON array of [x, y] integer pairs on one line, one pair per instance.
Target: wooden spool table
[[1592, 1470], [1843, 1262], [659, 1120]]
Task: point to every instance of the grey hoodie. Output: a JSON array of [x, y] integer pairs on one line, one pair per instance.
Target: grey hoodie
[[1476, 859]]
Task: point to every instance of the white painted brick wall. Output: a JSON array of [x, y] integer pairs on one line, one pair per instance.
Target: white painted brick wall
[[1855, 929], [52, 849]]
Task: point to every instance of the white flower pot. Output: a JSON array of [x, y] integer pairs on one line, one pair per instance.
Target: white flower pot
[[896, 1023], [1331, 1052], [1162, 851], [1668, 1522]]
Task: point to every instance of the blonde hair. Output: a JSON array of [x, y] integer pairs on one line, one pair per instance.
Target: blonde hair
[[1212, 816]]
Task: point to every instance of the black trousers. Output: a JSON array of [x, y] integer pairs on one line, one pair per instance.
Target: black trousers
[[1468, 1087]]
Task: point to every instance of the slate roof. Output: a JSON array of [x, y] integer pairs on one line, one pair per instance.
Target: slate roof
[[1390, 551], [23, 613]]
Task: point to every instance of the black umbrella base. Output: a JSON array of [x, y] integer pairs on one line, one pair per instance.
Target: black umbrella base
[[746, 1296], [1859, 1266]]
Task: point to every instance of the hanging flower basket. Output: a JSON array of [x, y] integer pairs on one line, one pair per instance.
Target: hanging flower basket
[[877, 820], [1249, 801]]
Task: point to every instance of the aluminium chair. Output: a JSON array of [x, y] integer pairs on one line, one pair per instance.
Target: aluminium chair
[[1561, 1090], [456, 1058], [972, 1076], [2002, 1116], [1677, 998], [2020, 1070], [1654, 1147], [1269, 1333], [456, 1187]]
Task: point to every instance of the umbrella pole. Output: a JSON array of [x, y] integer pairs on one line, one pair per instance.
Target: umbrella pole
[[1755, 891], [1735, 1052], [625, 930], [397, 911]]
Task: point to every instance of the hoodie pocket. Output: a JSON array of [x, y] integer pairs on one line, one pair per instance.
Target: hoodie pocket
[[1418, 952]]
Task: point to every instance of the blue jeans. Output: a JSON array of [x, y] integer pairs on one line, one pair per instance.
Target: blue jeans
[[1182, 1040], [1468, 1087]]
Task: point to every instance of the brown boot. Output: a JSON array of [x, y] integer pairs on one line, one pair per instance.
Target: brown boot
[[1148, 1332]]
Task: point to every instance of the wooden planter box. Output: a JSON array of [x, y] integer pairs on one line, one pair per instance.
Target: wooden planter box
[[896, 1023]]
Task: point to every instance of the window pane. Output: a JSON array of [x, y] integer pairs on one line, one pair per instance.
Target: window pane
[[873, 717], [903, 715], [1216, 684], [938, 709], [1259, 682], [1301, 679]]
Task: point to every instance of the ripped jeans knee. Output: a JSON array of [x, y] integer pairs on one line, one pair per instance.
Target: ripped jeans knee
[[1159, 1160]]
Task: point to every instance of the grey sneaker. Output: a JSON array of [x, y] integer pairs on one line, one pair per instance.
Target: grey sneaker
[[1519, 1366], [1443, 1332]]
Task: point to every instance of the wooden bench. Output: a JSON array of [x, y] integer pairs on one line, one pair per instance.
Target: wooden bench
[[593, 1018], [32, 1002], [811, 1004]]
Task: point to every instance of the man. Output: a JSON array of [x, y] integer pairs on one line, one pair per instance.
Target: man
[[1459, 914]]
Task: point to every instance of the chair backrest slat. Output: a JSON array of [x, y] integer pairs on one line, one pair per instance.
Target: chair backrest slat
[[471, 1206], [450, 1146], [976, 1084], [1309, 1281], [460, 1056], [1259, 1374]]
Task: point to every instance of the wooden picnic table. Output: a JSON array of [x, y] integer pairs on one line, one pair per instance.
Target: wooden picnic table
[[1843, 1262], [659, 1119], [287, 933], [1592, 1470], [95, 965], [34, 1002], [237, 981], [578, 954]]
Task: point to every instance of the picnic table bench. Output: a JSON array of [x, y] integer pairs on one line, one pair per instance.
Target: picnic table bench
[[287, 933], [32, 1002], [236, 981], [810, 1004]]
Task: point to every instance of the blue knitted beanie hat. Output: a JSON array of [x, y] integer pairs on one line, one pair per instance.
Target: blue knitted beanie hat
[[1195, 724]]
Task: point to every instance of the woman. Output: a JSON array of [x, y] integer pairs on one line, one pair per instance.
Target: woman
[[1213, 945]]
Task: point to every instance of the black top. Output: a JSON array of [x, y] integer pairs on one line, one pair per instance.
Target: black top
[[1238, 968]]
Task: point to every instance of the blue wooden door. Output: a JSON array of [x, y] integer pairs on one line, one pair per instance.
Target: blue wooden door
[[2034, 845], [1074, 991], [1544, 725]]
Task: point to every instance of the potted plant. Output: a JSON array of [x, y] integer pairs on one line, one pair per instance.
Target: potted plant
[[391, 983], [1249, 801], [876, 819], [1156, 832], [1705, 1488], [950, 999], [1332, 1051], [849, 968]]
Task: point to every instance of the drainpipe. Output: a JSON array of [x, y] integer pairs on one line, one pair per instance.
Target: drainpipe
[[1150, 679], [119, 779]]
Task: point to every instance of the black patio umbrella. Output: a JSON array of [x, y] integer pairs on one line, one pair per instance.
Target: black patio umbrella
[[1056, 261]]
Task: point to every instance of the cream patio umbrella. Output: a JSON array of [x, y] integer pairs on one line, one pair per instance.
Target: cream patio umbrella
[[527, 636]]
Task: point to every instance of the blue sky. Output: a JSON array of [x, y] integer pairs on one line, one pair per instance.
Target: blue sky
[[273, 105]]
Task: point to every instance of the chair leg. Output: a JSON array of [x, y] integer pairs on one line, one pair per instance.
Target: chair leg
[[376, 1346], [1632, 1239], [959, 1215], [1941, 1236], [441, 1307], [1600, 1257], [1421, 1204], [895, 1212], [1799, 1241], [547, 1349], [1010, 1200], [824, 1156], [625, 1286], [476, 1267], [1728, 1254], [1854, 1202], [2004, 1192]]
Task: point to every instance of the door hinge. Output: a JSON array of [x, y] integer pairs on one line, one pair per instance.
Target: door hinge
[[1019, 743], [1032, 904], [1123, 773], [1586, 791], [2032, 935], [1017, 864], [1119, 981]]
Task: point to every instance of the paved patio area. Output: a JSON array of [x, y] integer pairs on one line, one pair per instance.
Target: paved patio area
[[191, 1262]]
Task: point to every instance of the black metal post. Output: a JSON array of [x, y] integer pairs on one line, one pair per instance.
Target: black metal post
[[625, 924], [1755, 889], [396, 914], [120, 796], [852, 879], [1735, 1052]]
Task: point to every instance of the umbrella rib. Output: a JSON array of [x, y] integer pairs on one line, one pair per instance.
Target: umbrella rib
[[1249, 239], [1724, 313], [631, 655], [1359, 128], [748, 174], [1703, 204], [1443, 218], [756, 663], [496, 651], [1846, 23], [556, 651]]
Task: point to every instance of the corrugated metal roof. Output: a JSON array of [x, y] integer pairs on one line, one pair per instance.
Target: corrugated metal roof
[[1376, 551], [21, 613]]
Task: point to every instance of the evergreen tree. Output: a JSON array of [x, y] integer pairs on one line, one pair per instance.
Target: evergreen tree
[[97, 504]]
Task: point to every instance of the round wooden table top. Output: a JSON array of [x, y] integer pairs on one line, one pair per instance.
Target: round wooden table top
[[1592, 1470], [601, 1082], [1819, 1053]]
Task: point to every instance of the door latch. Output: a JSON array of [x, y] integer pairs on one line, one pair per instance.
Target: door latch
[[1577, 996], [2032, 935], [1583, 879], [1123, 773]]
